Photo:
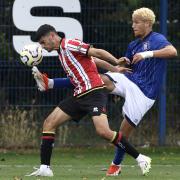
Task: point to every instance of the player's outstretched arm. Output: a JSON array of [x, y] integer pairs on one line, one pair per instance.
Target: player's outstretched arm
[[166, 52], [107, 66], [102, 54]]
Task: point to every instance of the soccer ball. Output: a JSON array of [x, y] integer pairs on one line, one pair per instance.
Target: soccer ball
[[31, 54]]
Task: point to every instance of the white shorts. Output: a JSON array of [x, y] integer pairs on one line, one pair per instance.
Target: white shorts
[[136, 103]]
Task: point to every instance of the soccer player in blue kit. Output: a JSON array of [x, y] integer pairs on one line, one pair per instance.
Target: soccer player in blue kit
[[146, 54]]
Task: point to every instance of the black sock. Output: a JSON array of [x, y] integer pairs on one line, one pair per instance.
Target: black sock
[[121, 142], [46, 147]]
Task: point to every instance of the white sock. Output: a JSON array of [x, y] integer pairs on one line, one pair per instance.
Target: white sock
[[50, 83], [140, 158], [43, 166]]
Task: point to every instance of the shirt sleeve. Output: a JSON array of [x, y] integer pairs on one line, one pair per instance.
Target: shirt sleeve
[[76, 45], [161, 42]]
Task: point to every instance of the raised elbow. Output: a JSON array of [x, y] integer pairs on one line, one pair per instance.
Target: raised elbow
[[173, 52]]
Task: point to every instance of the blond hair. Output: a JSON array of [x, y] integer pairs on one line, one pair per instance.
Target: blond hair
[[145, 14]]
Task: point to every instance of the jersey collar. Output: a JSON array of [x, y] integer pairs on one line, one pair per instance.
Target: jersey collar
[[146, 36]]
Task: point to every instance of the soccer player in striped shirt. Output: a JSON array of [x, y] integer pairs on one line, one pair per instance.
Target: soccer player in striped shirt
[[89, 96]]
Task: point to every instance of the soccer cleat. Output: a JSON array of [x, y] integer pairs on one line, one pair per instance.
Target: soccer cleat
[[145, 164], [41, 79], [42, 171], [114, 170]]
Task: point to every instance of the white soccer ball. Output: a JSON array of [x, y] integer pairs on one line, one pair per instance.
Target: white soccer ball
[[31, 54]]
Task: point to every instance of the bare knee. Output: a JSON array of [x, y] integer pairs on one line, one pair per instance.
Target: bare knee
[[102, 126], [55, 119], [48, 125]]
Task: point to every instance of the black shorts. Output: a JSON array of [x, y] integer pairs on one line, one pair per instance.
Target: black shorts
[[93, 103]]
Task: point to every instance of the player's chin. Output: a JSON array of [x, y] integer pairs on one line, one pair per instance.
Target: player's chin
[[137, 35]]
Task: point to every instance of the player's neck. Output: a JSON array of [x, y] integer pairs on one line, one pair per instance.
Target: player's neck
[[146, 34]]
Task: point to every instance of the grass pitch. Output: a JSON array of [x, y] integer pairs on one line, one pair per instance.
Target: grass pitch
[[90, 164]]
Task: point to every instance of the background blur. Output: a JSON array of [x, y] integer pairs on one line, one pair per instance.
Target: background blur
[[105, 24]]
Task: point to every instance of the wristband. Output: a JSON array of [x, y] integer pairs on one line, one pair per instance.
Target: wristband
[[146, 54]]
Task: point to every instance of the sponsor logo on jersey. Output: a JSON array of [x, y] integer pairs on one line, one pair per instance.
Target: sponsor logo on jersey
[[95, 109]]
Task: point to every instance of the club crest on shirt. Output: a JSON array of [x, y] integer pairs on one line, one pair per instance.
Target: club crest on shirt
[[146, 46], [133, 52]]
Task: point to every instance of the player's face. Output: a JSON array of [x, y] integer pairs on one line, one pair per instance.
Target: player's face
[[139, 27], [47, 42]]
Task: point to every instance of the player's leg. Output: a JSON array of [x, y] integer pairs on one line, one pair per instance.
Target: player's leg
[[115, 167], [54, 120], [94, 103], [144, 162], [126, 128], [135, 106], [117, 138], [44, 83], [102, 128], [66, 110]]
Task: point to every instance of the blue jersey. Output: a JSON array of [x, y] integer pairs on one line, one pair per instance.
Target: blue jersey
[[147, 74]]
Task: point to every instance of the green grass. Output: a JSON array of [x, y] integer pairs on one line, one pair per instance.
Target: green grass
[[90, 164]]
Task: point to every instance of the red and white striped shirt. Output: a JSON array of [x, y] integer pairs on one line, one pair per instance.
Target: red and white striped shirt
[[80, 68]]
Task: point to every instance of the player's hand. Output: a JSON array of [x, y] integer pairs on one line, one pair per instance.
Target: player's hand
[[136, 58], [123, 61], [41, 79], [121, 69]]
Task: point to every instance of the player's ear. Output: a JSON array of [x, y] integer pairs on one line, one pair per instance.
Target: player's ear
[[51, 35]]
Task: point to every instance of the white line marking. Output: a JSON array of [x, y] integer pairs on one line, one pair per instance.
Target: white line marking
[[98, 166]]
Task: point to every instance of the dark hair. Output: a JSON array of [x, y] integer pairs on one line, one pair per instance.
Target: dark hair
[[43, 30]]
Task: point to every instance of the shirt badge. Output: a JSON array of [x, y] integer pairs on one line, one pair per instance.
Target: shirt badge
[[146, 46]]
